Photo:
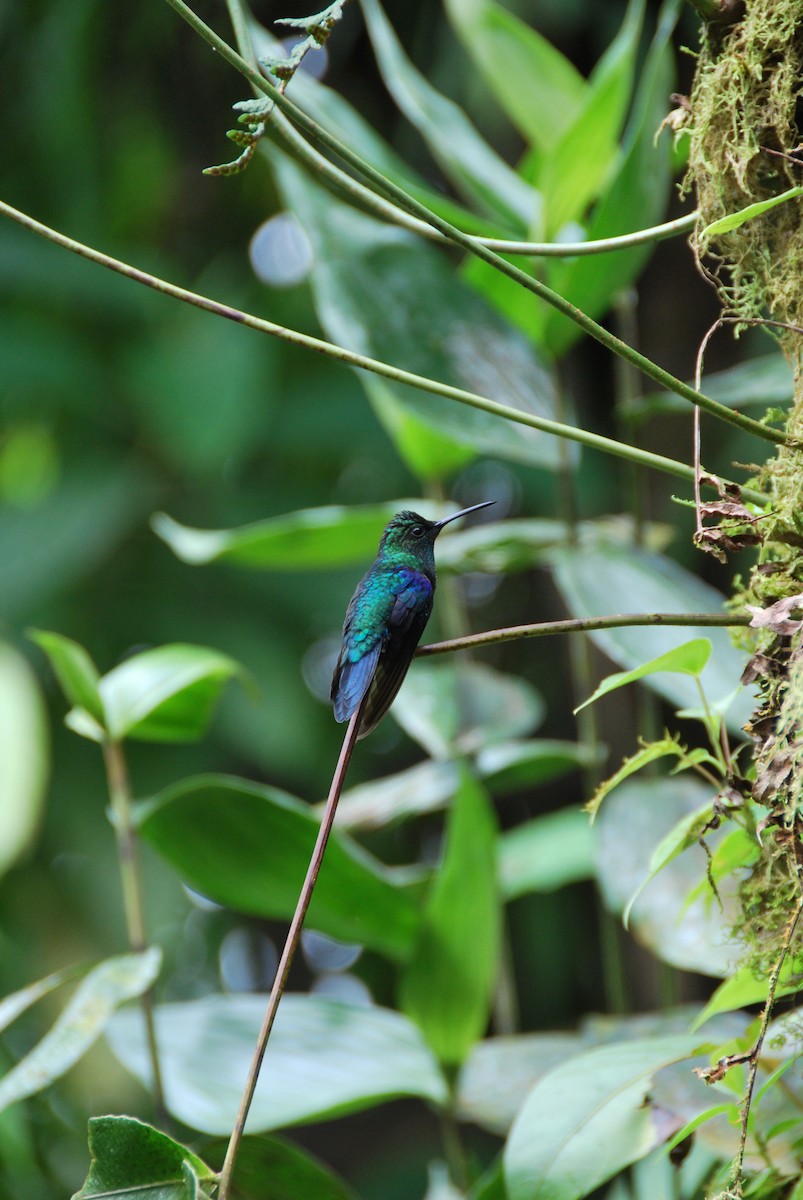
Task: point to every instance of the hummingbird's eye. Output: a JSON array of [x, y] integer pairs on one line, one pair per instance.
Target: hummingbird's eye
[[417, 531]]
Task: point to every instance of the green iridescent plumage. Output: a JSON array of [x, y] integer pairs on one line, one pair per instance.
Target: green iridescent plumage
[[386, 617]]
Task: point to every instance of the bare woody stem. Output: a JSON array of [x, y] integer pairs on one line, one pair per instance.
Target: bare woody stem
[[133, 907], [581, 625], [288, 953], [466, 242]]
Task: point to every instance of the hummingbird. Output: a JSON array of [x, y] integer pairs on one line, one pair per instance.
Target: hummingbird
[[386, 617]]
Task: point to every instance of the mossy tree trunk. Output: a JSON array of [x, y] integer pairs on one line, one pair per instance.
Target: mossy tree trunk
[[744, 122]]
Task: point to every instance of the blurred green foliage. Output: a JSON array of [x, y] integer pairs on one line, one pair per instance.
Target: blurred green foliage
[[118, 403]]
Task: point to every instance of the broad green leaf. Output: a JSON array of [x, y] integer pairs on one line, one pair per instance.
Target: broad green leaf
[[635, 198], [24, 756], [692, 934], [248, 846], [324, 1059], [539, 89], [510, 766], [429, 453], [500, 1072], [17, 1002], [427, 787], [764, 380], [546, 853], [381, 291], [166, 694], [588, 151], [472, 166], [134, 1161], [749, 213], [75, 671], [684, 834], [271, 1168], [447, 985], [689, 658], [309, 539], [460, 707], [588, 1119], [605, 578], [743, 987], [499, 547], [86, 1015], [335, 536]]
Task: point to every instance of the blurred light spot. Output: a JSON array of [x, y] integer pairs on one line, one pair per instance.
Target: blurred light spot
[[317, 666], [478, 588], [488, 481], [280, 252], [248, 960], [29, 465], [343, 987], [327, 954]]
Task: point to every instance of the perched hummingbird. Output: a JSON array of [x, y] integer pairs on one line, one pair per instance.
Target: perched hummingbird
[[386, 617]]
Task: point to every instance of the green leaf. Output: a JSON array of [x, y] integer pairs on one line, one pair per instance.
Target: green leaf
[[692, 934], [635, 198], [383, 292], [248, 846], [588, 1119], [687, 659], [310, 539], [166, 694], [102, 991], [134, 1161], [460, 707], [473, 167], [546, 853], [270, 1168], [539, 89], [24, 756], [340, 118], [500, 1072], [429, 453], [636, 762], [16, 1003], [588, 151], [359, 1057], [716, 1110], [510, 766], [749, 213], [75, 671], [638, 581], [426, 787], [681, 836], [744, 987], [447, 986]]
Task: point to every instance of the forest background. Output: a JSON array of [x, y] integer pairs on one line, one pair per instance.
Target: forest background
[[118, 404]]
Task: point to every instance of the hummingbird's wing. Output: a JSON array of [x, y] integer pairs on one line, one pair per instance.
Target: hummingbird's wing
[[383, 625]]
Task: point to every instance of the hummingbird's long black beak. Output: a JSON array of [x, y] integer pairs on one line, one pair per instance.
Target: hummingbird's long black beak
[[440, 524]]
